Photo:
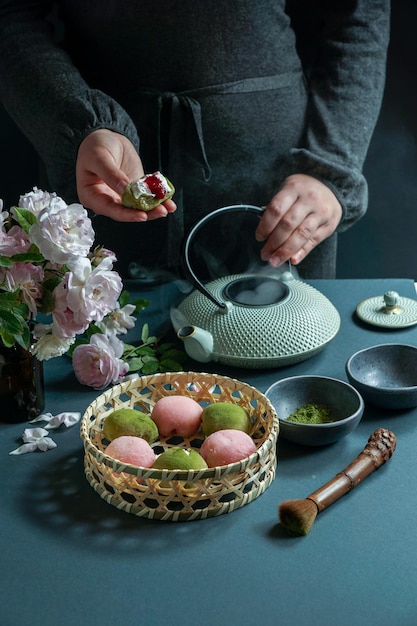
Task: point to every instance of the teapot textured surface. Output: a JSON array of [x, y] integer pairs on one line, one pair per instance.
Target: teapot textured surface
[[263, 336]]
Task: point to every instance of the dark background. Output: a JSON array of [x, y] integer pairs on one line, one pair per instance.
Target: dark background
[[383, 243]]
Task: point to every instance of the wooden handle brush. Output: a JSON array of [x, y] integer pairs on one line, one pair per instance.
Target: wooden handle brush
[[299, 515]]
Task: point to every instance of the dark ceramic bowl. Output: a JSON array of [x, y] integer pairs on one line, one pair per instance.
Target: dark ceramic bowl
[[385, 375], [344, 402]]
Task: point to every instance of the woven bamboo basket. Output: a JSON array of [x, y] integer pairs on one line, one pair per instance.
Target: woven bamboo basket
[[180, 495]]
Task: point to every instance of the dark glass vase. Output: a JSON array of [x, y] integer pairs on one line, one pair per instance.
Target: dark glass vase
[[22, 394]]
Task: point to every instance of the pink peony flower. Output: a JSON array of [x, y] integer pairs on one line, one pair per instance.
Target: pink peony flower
[[14, 241], [28, 279], [64, 323], [99, 254], [98, 363]]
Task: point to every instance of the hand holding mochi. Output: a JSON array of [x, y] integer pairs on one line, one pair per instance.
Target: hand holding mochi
[[177, 415], [132, 450], [227, 446]]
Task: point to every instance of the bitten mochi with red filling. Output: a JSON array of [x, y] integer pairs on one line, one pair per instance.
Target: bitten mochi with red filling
[[148, 192]]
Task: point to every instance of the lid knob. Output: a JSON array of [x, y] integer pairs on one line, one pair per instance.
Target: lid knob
[[391, 299]]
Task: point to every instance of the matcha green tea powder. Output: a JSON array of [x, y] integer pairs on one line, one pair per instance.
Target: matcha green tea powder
[[311, 414]]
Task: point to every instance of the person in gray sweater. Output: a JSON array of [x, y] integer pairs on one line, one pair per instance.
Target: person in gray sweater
[[265, 102]]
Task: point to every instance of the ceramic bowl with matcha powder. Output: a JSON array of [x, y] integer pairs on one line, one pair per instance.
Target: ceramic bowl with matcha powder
[[315, 410]]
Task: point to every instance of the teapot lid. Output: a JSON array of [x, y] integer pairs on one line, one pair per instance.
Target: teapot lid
[[388, 311]]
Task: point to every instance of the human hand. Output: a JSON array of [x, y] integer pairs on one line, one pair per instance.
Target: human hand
[[106, 162], [301, 215]]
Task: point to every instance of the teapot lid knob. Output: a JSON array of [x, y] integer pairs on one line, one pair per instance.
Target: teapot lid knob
[[391, 298]]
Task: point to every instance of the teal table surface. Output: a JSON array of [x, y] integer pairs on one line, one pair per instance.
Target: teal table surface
[[69, 558]]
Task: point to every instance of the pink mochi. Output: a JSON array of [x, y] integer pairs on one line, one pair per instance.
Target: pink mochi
[[132, 450], [177, 415], [226, 446]]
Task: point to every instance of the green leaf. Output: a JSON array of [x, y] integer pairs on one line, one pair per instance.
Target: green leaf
[[13, 313], [174, 355], [124, 298], [25, 338], [7, 339], [145, 333], [149, 368], [14, 329], [5, 261], [24, 218], [150, 359], [163, 347], [144, 350], [169, 365], [21, 310], [92, 330], [78, 342], [135, 365], [11, 323], [47, 303], [28, 257], [9, 299], [51, 282], [151, 341], [128, 349], [140, 304]]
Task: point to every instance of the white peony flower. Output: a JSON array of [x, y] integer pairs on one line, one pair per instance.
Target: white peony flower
[[118, 321], [37, 200], [92, 294], [63, 234], [48, 347]]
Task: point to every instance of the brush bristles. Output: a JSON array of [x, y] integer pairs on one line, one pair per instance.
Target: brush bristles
[[298, 515]]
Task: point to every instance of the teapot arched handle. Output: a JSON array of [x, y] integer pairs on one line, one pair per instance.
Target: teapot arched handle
[[247, 208]]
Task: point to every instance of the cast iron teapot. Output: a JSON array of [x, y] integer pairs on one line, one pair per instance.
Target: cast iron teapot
[[264, 318]]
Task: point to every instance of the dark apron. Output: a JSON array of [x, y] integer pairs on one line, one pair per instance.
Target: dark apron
[[219, 145]]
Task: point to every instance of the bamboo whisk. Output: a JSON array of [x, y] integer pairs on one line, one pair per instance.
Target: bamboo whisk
[[299, 515]]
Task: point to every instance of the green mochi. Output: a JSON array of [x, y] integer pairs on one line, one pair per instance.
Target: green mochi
[[130, 422]]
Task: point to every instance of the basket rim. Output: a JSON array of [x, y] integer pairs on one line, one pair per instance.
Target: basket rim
[[164, 474]]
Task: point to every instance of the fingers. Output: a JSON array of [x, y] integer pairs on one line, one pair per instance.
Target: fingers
[[106, 163], [103, 201], [107, 203], [276, 211], [295, 243], [299, 217], [106, 170]]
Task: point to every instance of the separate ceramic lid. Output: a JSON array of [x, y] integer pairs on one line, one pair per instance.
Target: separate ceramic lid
[[388, 311]]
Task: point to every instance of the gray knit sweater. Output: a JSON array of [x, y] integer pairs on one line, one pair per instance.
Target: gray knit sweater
[[226, 97]]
